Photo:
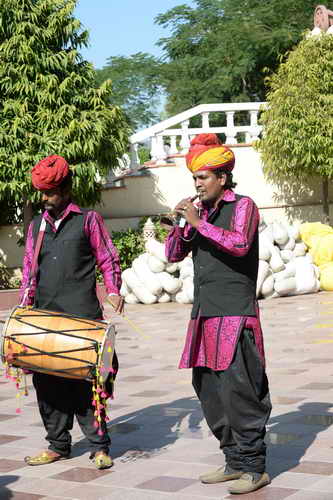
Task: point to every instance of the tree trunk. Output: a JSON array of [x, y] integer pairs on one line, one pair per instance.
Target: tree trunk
[[326, 205], [27, 217]]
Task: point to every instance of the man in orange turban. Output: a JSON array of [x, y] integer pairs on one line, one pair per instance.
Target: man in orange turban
[[207, 153], [224, 344]]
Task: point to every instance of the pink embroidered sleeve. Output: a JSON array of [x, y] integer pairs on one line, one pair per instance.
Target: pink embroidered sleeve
[[28, 294], [176, 248], [244, 224], [106, 255]]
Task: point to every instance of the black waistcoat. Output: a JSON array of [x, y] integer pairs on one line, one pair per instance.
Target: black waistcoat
[[66, 279], [223, 285]]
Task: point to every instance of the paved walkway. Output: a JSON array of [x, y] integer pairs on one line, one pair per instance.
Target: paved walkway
[[160, 442]]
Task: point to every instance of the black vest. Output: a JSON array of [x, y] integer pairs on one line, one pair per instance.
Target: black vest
[[223, 285], [66, 279]]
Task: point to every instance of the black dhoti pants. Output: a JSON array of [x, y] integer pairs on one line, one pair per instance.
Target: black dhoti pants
[[59, 400], [237, 406]]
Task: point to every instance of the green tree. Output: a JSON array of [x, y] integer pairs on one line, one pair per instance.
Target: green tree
[[136, 86], [218, 51], [298, 122], [49, 103]]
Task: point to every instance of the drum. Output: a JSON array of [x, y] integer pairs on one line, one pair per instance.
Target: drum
[[58, 344]]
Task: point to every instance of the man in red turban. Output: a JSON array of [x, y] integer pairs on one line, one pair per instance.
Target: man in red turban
[[224, 344], [49, 173], [70, 242]]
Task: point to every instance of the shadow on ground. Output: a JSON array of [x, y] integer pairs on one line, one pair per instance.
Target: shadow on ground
[[150, 430], [291, 434], [5, 493]]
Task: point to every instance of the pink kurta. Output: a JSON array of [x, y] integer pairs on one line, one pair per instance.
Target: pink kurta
[[211, 342]]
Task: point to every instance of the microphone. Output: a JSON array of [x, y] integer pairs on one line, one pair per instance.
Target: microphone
[[181, 221]]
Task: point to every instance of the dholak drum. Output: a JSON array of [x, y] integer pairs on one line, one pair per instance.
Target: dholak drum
[[58, 344]]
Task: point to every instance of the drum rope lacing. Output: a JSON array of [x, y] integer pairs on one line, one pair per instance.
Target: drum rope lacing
[[57, 354], [100, 396]]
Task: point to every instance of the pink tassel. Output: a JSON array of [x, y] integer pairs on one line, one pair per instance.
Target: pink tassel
[[100, 432], [93, 403], [104, 395], [18, 410], [95, 424]]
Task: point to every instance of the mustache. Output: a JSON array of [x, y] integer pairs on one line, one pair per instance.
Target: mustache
[[47, 204]]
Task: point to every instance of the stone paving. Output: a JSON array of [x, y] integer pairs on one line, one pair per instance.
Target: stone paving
[[161, 443]]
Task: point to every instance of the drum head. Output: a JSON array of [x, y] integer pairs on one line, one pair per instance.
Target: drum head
[[107, 353], [3, 335]]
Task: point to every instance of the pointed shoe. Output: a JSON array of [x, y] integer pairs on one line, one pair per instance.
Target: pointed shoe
[[221, 475], [249, 482]]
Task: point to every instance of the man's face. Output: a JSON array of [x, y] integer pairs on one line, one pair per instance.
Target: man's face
[[54, 200], [208, 185]]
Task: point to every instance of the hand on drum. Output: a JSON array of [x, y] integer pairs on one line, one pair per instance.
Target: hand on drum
[[117, 303]]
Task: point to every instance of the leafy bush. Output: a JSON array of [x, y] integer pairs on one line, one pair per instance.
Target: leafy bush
[[144, 154], [129, 244], [9, 278], [4, 276], [298, 139], [16, 278]]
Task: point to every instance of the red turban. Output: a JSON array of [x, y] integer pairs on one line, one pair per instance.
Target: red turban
[[49, 172], [207, 153]]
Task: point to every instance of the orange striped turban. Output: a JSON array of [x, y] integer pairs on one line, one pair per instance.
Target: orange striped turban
[[207, 153]]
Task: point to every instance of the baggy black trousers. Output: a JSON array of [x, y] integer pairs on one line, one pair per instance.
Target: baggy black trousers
[[59, 399], [237, 406]]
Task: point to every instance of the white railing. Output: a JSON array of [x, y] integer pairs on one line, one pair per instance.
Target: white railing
[[167, 141]]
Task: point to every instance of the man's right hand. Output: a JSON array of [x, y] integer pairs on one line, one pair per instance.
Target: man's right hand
[[117, 302], [179, 208]]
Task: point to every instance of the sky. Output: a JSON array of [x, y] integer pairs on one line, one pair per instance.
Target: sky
[[122, 27]]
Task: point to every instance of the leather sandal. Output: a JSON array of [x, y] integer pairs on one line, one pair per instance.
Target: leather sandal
[[102, 460], [44, 457]]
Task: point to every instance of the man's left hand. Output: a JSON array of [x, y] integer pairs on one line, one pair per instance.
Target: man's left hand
[[189, 212], [117, 303]]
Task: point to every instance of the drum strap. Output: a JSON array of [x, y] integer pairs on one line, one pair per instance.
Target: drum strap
[[34, 265], [38, 246]]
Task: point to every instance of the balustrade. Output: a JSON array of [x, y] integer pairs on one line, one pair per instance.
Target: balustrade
[[167, 141]]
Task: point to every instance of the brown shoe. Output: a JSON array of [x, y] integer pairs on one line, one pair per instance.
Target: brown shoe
[[44, 457], [249, 482], [102, 460], [221, 475]]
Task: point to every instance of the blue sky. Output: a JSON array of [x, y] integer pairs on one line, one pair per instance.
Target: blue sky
[[122, 27]]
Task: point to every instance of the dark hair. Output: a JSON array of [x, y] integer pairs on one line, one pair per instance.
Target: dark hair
[[229, 184], [66, 184]]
